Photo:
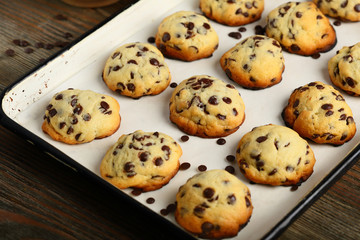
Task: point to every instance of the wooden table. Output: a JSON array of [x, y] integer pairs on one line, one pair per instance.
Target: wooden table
[[41, 198]]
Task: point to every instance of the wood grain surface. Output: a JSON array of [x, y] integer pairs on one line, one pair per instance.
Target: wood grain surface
[[40, 198]]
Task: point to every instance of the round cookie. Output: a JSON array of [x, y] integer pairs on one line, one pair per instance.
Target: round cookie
[[207, 107], [319, 112], [301, 28], [186, 36], [213, 204], [256, 62], [136, 70], [144, 160], [344, 69], [345, 10], [76, 116], [275, 155], [232, 12]]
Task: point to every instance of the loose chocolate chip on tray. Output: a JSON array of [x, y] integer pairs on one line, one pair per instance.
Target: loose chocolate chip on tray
[[337, 23], [10, 53], [184, 138], [221, 141], [150, 200], [242, 29], [202, 168], [235, 35], [173, 85], [28, 50], [230, 158], [184, 166]]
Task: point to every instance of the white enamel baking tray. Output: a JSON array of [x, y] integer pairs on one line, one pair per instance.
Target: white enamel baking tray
[[80, 66]]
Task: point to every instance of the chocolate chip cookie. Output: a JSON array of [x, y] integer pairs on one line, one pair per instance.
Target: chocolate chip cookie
[[207, 107], [213, 204], [345, 10], [186, 36], [319, 112], [301, 28], [144, 160], [76, 116], [136, 70], [275, 155], [233, 12], [256, 62], [344, 69]]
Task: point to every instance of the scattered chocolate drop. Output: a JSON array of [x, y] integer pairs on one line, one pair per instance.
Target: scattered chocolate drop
[[21, 43], [173, 85], [10, 53], [151, 40], [230, 169], [184, 166], [242, 29], [221, 141], [202, 168], [259, 30], [184, 138], [28, 50], [315, 56], [230, 158], [136, 191], [60, 17], [294, 188], [150, 200], [235, 35], [337, 23]]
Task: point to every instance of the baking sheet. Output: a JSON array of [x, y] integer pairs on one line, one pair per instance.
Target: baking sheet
[[81, 66]]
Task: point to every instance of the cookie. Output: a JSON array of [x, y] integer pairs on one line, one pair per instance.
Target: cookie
[[213, 204], [345, 10], [256, 62], [76, 116], [319, 112], [136, 70], [301, 28], [233, 12], [186, 36], [344, 69], [144, 160], [275, 155], [207, 107]]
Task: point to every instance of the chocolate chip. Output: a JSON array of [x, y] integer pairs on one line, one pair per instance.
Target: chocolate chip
[[213, 100], [144, 156], [184, 138], [221, 141], [48, 46], [60, 17], [62, 125], [77, 136], [70, 130], [78, 109], [208, 192], [151, 39], [230, 169], [207, 227], [272, 172], [221, 117], [184, 166], [259, 30], [298, 14], [206, 26], [289, 168], [202, 168], [52, 112], [357, 8], [154, 62], [294, 48], [230, 158], [150, 200], [130, 87], [129, 167], [73, 102], [158, 161], [10, 52], [261, 139], [247, 202], [242, 29], [173, 85], [227, 100], [315, 55], [231, 199], [235, 35], [166, 37], [136, 191]]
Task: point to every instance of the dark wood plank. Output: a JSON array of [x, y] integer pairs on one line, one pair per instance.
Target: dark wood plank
[[41, 198]]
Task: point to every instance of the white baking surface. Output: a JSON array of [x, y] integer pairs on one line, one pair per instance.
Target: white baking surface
[[81, 67]]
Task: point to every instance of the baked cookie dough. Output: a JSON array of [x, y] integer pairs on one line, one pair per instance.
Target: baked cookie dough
[[207, 107], [186, 36], [345, 10], [301, 28], [344, 69], [233, 12], [275, 155], [76, 116], [319, 112], [257, 62], [136, 70], [144, 160], [213, 204]]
